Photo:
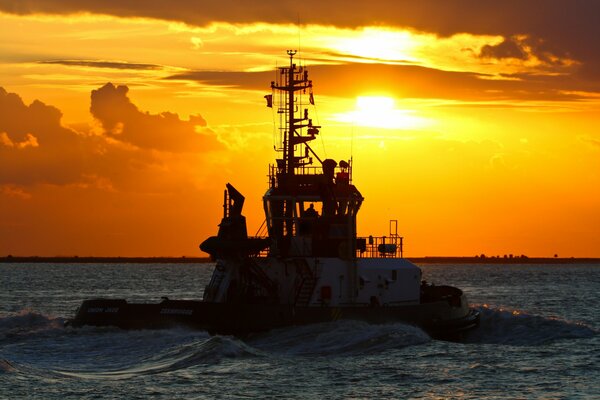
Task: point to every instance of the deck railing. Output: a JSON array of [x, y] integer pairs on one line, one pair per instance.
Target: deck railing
[[370, 247], [342, 174], [380, 247]]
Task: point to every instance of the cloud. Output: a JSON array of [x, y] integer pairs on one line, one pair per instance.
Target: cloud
[[15, 191], [123, 121], [528, 49], [246, 80], [564, 28], [34, 146], [411, 81], [104, 64], [508, 48], [133, 152], [30, 141]]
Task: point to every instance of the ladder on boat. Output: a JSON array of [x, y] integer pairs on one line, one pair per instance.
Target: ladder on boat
[[211, 290], [261, 277], [307, 283]]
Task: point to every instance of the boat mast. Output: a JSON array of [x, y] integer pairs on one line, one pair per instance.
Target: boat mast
[[293, 79], [291, 129], [290, 80]]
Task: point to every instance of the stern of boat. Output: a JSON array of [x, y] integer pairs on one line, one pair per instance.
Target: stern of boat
[[455, 315]]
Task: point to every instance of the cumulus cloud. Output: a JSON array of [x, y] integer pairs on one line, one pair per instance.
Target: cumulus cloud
[[35, 148], [123, 121], [66, 190], [30, 141]]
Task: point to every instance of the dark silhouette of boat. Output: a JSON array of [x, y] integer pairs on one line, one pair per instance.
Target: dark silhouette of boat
[[309, 266]]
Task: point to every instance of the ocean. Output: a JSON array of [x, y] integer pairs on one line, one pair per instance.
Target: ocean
[[538, 339]]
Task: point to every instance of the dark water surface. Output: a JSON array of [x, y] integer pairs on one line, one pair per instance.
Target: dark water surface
[[538, 339]]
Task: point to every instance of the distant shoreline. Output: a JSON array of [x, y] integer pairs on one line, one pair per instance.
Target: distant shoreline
[[106, 260], [502, 260], [197, 260]]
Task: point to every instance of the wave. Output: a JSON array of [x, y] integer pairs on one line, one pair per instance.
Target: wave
[[338, 338], [514, 327], [205, 352], [106, 352], [27, 322], [110, 353], [9, 367], [343, 337], [94, 353]]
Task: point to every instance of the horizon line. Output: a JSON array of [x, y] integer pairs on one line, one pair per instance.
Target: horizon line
[[207, 259]]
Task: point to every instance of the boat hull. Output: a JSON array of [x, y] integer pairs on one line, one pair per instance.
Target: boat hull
[[439, 319]]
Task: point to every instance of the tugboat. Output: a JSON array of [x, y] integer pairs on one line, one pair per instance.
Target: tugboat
[[309, 266]]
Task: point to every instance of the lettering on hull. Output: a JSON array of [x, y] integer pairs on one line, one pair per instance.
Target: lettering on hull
[[96, 310], [176, 311]]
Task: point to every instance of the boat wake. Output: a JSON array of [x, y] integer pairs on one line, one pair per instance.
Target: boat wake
[[52, 351], [344, 337], [497, 326], [199, 353], [25, 323], [341, 338], [37, 346], [513, 327]]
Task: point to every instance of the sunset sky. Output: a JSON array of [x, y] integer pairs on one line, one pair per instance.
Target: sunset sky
[[474, 123]]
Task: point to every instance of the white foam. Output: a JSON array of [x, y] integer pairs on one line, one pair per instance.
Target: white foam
[[515, 327]]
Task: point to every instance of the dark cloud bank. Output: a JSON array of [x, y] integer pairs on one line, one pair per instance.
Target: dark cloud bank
[[104, 64], [410, 81], [566, 29]]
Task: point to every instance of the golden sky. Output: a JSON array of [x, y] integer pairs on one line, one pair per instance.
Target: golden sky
[[475, 123]]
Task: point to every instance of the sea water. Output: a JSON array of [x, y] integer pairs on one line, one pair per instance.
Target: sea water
[[538, 338]]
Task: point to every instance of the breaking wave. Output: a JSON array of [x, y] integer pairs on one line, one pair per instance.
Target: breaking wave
[[27, 322], [207, 351], [513, 327]]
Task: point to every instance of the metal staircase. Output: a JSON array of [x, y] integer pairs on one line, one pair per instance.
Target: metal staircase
[[261, 278], [307, 284], [211, 290]]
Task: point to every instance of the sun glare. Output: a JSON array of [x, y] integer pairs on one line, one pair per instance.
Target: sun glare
[[380, 112], [374, 104], [379, 44]]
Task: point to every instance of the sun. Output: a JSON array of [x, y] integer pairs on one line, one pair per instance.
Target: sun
[[380, 112], [374, 104], [375, 111]]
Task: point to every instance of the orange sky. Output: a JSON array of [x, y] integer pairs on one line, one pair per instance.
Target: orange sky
[[474, 124]]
